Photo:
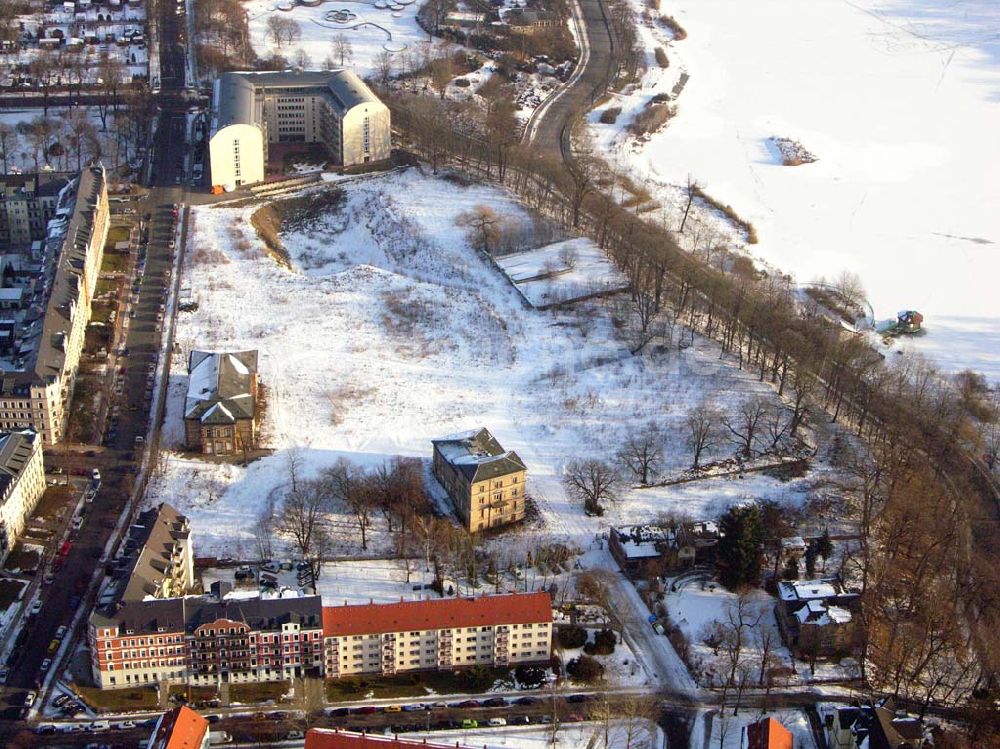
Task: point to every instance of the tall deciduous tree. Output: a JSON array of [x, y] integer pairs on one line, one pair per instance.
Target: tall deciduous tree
[[592, 482]]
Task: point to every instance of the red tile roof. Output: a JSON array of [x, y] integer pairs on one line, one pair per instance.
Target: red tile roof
[[180, 728], [326, 738], [438, 613], [769, 734]]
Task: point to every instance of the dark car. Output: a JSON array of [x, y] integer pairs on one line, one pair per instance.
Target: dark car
[[577, 698], [277, 715], [338, 712], [469, 703], [495, 702], [366, 710], [525, 701]]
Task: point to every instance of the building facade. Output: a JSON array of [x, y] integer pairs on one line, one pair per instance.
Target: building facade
[[334, 109], [22, 483], [220, 411], [448, 633], [334, 738], [27, 204], [43, 329], [201, 640], [485, 482], [157, 558]]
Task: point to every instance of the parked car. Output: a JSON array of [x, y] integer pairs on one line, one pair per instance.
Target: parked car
[[392, 709], [95, 476], [495, 702], [46, 664], [496, 722], [61, 631], [35, 607], [577, 698], [61, 700], [29, 699], [470, 723]]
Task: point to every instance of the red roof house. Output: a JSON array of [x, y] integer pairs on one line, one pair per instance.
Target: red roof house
[[180, 728], [768, 733], [439, 613]]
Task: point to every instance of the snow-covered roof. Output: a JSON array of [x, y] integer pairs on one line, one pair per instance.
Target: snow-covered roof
[[477, 455], [641, 541], [220, 386], [804, 590]]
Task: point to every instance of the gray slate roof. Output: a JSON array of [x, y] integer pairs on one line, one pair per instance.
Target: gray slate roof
[[151, 541], [235, 93], [478, 455], [189, 613], [220, 386], [15, 451]]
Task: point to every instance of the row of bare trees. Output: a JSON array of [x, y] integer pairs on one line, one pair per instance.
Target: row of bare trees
[[900, 406]]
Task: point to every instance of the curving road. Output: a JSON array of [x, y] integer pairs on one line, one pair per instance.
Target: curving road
[[546, 127]]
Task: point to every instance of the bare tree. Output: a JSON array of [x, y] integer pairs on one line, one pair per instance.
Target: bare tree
[[482, 225], [848, 285], [777, 424], [8, 144], [385, 64], [282, 31], [442, 70], [303, 518], [702, 424], [356, 490], [642, 451], [301, 59], [592, 482], [690, 191], [342, 49], [745, 423], [263, 532]]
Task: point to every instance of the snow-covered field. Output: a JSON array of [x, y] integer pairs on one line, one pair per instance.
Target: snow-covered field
[[562, 271], [900, 102], [389, 330], [371, 30]]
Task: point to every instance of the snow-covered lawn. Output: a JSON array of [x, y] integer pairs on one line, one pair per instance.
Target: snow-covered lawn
[[370, 29], [561, 272], [897, 99]]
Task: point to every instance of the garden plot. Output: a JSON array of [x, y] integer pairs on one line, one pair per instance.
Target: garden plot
[[562, 272], [699, 604], [388, 330], [372, 28]]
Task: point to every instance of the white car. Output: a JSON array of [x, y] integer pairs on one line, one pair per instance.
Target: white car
[[29, 699], [95, 475], [496, 722], [35, 607], [61, 632]]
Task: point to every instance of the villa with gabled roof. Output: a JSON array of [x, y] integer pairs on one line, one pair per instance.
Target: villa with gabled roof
[[485, 482], [220, 410]]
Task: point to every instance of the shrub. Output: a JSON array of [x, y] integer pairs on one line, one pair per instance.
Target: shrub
[[661, 57], [730, 213], [530, 677], [572, 637], [676, 29], [610, 115], [585, 668], [651, 119], [603, 644]]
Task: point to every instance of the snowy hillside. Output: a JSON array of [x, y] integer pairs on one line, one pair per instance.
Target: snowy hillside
[[900, 104]]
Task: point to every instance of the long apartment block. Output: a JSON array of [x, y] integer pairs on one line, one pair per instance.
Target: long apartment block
[[45, 306], [201, 640]]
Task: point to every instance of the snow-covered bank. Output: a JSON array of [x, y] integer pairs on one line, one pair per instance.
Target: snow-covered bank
[[900, 103]]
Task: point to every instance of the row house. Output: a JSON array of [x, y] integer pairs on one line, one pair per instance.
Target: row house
[[22, 483], [45, 319], [157, 558], [202, 641], [448, 633]]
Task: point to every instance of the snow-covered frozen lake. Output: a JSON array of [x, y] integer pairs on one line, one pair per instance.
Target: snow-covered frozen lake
[[900, 102]]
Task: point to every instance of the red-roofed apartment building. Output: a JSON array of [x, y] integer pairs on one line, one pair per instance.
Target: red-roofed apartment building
[[332, 738], [443, 633], [180, 728], [768, 734]]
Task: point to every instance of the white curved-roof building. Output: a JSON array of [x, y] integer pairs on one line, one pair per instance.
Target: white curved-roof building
[[253, 110]]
